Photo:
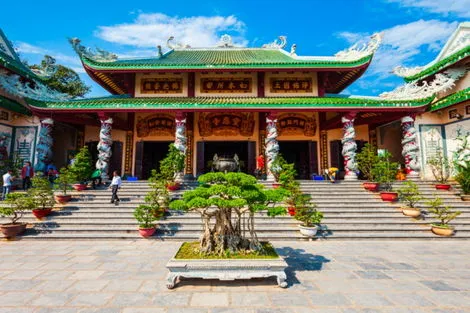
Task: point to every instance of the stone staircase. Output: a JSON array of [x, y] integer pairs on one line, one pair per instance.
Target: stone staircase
[[350, 213]]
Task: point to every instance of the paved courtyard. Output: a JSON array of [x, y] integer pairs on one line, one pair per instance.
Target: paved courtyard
[[129, 277]]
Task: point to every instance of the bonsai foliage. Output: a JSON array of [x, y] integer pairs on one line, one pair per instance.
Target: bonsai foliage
[[308, 214], [172, 164], [232, 200], [385, 171], [442, 213], [41, 192], [81, 169], [156, 201], [366, 160], [410, 194], [145, 215], [463, 178], [18, 203], [64, 180], [462, 162], [440, 167]]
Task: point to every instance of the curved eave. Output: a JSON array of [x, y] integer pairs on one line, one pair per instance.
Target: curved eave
[[14, 106], [212, 103], [122, 66], [18, 68], [441, 65], [455, 98]]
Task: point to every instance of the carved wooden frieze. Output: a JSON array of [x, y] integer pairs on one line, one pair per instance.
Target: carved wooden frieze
[[226, 85], [226, 124], [296, 124], [160, 124]]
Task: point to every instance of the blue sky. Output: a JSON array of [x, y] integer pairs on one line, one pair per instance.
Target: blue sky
[[414, 30]]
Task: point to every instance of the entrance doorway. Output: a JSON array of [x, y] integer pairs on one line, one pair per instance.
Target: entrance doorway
[[303, 154], [245, 150], [336, 155], [115, 163], [153, 153]]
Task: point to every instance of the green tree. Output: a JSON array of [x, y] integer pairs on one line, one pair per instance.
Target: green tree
[[366, 159], [172, 164], [81, 168], [385, 171], [62, 78]]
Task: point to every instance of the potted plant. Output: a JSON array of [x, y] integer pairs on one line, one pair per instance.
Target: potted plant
[[146, 214], [171, 166], [81, 169], [287, 181], [278, 166], [463, 178], [17, 204], [462, 165], [42, 194], [385, 172], [444, 214], [63, 182], [410, 194], [158, 195], [310, 217], [441, 169], [366, 160]]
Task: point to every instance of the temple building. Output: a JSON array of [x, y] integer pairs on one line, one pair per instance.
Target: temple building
[[228, 100]]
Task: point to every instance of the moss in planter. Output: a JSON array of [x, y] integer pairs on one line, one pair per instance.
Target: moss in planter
[[190, 250]]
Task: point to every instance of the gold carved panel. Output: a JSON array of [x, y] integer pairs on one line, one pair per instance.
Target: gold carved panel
[[226, 124], [161, 85], [290, 85], [226, 85], [296, 124], [160, 124]]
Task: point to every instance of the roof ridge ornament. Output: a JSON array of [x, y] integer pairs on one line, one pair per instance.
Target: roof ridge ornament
[[38, 91], [355, 52], [442, 82], [99, 56], [175, 45], [47, 69], [403, 71], [278, 43], [225, 41], [293, 50]]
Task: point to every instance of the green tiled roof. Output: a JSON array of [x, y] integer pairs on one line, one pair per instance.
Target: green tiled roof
[[13, 106], [225, 59], [452, 99], [446, 62], [125, 103]]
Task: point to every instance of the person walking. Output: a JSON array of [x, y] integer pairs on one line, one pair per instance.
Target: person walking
[[27, 172], [115, 185], [6, 184]]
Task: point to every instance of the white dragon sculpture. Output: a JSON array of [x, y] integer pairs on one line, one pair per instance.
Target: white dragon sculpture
[[44, 147], [462, 153], [104, 147], [410, 146], [272, 145], [349, 146]]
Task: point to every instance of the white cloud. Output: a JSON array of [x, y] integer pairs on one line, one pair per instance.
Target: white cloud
[[150, 30], [460, 8]]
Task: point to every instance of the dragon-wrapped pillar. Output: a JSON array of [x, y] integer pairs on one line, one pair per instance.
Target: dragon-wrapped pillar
[[272, 145], [104, 146], [44, 147], [181, 139], [349, 146], [410, 148]]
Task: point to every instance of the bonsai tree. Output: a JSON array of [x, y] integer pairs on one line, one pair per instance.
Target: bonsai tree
[[18, 204], [463, 178], [158, 196], [41, 192], [146, 214], [308, 215], [442, 213], [462, 163], [385, 171], [228, 198], [440, 167], [81, 169], [64, 180], [366, 160], [410, 194], [171, 165], [278, 166]]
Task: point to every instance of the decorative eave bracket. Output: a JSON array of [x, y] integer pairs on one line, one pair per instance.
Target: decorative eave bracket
[[98, 56]]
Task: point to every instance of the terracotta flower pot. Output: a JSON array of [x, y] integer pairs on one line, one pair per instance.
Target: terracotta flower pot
[[147, 232], [442, 186], [389, 196], [173, 187], [442, 231], [12, 230], [79, 187], [276, 185], [411, 212], [371, 186], [40, 213], [291, 210], [62, 198], [465, 197], [308, 231]]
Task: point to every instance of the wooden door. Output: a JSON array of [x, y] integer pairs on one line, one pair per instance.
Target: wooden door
[[251, 162], [115, 163], [139, 155], [200, 166], [313, 157]]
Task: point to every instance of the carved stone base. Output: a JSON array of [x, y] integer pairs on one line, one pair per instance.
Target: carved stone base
[[226, 270]]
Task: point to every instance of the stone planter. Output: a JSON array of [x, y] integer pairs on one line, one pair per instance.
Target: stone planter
[[411, 212], [62, 198], [40, 213], [12, 230], [465, 197], [442, 231], [442, 186], [79, 187], [147, 232], [371, 186], [389, 196], [226, 269], [309, 232]]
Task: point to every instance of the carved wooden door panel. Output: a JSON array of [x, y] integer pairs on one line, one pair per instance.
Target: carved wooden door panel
[[139, 155]]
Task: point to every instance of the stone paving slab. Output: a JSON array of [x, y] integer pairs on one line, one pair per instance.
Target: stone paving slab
[[327, 277]]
